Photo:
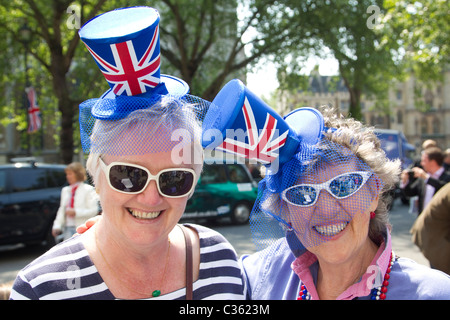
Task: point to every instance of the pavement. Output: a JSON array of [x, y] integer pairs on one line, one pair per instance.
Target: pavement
[[402, 245]]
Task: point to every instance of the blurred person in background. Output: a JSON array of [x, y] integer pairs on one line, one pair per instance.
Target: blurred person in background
[[79, 202], [426, 181], [431, 230], [447, 159], [5, 290]]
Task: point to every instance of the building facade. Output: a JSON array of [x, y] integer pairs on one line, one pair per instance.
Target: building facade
[[419, 112]]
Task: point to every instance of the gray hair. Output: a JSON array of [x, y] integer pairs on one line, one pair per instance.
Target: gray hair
[[153, 131], [363, 142]]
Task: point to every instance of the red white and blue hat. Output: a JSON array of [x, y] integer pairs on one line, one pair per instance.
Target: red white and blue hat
[[125, 45], [251, 129], [246, 126]]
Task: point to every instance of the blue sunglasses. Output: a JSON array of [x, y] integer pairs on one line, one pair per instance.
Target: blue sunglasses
[[340, 187]]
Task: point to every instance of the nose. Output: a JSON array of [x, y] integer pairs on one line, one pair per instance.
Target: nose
[[150, 195], [324, 197]]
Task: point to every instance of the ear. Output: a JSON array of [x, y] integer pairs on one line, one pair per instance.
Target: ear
[[374, 204]]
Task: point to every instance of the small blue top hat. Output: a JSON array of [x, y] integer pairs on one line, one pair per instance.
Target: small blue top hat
[[251, 129], [125, 45]]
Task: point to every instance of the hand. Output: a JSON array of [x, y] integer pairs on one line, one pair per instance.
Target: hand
[[56, 232], [70, 212], [88, 224], [404, 177], [420, 173]]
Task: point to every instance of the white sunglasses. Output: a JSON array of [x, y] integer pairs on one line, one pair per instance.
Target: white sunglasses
[[340, 187], [133, 179]]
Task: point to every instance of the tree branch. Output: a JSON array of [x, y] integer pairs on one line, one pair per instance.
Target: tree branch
[[73, 44], [42, 21]]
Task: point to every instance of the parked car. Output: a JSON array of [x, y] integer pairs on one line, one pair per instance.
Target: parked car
[[29, 199], [223, 190], [395, 145]]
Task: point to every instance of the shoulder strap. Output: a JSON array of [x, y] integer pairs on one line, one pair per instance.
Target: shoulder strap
[[189, 266]]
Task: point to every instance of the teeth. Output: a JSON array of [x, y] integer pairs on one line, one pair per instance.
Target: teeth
[[331, 230], [144, 215]]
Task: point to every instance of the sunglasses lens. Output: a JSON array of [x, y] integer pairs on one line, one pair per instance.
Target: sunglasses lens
[[127, 178], [176, 183], [346, 185], [301, 195]]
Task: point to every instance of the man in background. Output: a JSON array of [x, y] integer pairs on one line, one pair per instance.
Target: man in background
[[426, 181]]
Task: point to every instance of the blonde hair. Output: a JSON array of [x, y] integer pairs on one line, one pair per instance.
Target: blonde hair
[[5, 290], [78, 169]]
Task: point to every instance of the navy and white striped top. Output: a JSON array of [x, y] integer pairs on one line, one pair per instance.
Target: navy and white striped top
[[67, 272]]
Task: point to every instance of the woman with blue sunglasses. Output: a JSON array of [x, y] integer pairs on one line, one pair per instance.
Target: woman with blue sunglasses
[[334, 241]]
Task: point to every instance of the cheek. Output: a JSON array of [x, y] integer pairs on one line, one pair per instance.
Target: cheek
[[178, 206], [109, 199], [360, 223]]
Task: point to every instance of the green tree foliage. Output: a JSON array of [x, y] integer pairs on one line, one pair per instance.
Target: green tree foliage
[[350, 30], [422, 28], [53, 47], [205, 42]]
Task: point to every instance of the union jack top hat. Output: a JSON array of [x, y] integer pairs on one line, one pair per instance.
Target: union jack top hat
[[125, 45], [249, 128]]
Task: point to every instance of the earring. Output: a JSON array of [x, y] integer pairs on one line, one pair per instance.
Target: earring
[[372, 215], [286, 226]]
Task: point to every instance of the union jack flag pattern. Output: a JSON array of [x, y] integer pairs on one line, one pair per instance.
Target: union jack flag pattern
[[132, 69], [248, 127], [34, 113], [263, 144]]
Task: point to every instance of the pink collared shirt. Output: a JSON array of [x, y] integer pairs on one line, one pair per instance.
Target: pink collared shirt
[[375, 271]]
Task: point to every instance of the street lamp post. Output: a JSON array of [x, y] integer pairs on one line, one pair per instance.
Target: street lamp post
[[25, 37]]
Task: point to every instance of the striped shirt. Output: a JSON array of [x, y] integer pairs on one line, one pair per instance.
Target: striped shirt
[[67, 272]]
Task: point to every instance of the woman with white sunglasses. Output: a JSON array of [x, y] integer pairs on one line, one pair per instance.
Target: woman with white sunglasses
[[335, 238], [145, 157]]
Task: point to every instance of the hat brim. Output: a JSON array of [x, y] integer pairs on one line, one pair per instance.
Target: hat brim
[[112, 107]]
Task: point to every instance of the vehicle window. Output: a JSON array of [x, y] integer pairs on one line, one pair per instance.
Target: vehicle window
[[27, 179], [389, 143], [238, 174], [56, 178], [2, 181], [213, 174]]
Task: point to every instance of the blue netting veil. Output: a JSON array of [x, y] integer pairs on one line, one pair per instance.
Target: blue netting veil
[[149, 125], [309, 200], [144, 111], [315, 195]]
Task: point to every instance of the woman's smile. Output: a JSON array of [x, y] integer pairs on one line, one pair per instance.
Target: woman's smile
[[330, 230], [139, 214]]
